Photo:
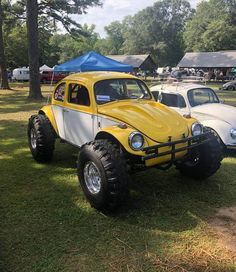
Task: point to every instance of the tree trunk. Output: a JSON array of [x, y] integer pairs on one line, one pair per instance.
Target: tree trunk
[[33, 51], [3, 69]]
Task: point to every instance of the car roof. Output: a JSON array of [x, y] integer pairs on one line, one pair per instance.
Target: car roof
[[97, 76], [177, 87]]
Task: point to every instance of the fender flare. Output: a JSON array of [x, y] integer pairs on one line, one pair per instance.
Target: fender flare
[[47, 110], [120, 137]]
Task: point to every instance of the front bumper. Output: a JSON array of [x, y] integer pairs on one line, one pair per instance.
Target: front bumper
[[191, 142]]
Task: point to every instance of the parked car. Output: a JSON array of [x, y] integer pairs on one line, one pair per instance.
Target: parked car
[[179, 74], [20, 74], [203, 104], [230, 86], [119, 128], [50, 76]]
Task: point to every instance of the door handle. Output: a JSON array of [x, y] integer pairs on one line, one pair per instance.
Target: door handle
[[65, 110]]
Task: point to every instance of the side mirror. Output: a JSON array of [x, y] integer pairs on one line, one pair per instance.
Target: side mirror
[[222, 101]]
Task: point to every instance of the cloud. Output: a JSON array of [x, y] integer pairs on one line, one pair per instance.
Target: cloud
[[113, 11]]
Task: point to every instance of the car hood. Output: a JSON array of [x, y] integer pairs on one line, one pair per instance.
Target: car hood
[[153, 119], [215, 111]]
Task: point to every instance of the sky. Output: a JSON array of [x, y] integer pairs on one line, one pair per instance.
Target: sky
[[113, 10]]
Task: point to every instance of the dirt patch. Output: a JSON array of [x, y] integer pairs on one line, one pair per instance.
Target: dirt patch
[[224, 223]]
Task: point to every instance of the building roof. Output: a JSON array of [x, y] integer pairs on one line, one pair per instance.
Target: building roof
[[222, 59], [134, 60]]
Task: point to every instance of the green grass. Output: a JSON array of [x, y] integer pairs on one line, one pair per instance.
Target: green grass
[[47, 225]]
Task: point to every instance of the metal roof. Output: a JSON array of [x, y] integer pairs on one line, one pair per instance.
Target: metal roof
[[177, 87], [222, 59], [134, 60]]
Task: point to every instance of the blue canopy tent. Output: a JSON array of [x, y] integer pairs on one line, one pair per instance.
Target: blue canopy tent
[[93, 61]]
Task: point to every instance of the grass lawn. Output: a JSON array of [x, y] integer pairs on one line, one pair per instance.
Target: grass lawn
[[47, 225]]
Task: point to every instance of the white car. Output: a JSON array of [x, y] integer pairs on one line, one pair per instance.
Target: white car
[[202, 103]]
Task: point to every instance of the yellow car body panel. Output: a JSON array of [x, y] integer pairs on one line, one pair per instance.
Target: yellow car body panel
[[149, 117], [121, 135]]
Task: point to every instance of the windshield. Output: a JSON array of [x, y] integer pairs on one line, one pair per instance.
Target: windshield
[[119, 89], [202, 96]]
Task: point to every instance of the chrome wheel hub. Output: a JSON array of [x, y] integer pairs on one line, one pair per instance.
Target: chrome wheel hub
[[92, 177], [33, 138]]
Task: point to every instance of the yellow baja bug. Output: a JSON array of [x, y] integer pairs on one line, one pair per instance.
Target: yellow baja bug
[[119, 128]]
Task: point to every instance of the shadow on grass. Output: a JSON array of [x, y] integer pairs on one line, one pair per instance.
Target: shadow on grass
[[47, 225], [17, 102]]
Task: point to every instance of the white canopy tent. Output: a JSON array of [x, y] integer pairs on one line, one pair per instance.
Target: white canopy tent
[[45, 68]]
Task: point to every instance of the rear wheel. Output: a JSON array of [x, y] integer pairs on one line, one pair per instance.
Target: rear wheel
[[203, 160], [231, 88], [102, 174], [41, 138]]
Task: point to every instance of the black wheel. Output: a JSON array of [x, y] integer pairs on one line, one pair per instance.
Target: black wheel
[[102, 174], [231, 88], [41, 138], [204, 160]]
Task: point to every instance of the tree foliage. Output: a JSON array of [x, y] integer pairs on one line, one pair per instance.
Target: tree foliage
[[51, 12], [213, 27], [166, 30], [156, 30]]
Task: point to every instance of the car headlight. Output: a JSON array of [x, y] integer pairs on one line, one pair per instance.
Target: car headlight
[[233, 133], [197, 129], [136, 140]]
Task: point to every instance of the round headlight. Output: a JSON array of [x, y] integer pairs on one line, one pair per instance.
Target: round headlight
[[136, 140], [196, 129], [233, 133]]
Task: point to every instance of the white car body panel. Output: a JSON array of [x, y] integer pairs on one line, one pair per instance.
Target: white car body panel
[[221, 118], [78, 127], [59, 117]]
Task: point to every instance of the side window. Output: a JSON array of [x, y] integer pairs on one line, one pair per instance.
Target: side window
[[78, 94], [172, 100], [60, 92]]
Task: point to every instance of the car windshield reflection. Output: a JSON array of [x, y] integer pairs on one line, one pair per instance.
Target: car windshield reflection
[[120, 89]]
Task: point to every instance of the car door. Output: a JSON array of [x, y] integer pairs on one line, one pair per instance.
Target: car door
[[78, 115]]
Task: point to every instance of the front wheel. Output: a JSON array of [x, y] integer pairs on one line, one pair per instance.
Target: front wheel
[[102, 174], [203, 161]]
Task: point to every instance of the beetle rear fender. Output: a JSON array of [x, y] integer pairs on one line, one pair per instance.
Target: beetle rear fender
[[119, 136], [47, 110]]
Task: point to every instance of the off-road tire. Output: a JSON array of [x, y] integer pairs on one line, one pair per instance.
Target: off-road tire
[[209, 160], [43, 149], [114, 177]]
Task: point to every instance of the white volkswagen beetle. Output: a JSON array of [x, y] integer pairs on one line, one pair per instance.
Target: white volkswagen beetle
[[202, 103]]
